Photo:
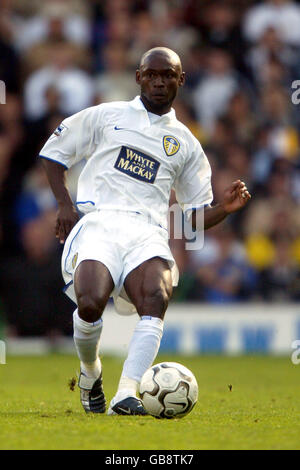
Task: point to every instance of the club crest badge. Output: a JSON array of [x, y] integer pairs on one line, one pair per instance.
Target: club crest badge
[[171, 145]]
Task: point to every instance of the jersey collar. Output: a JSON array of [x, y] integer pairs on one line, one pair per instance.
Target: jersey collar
[[137, 104]]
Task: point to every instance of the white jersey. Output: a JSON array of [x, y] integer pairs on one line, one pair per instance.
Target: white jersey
[[133, 160]]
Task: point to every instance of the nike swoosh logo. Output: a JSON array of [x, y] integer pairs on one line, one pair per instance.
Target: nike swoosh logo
[[181, 404], [117, 128], [125, 411], [95, 398]]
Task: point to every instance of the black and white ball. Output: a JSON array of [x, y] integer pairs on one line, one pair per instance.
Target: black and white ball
[[169, 390]]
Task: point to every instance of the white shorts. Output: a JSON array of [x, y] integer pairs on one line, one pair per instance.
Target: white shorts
[[121, 240]]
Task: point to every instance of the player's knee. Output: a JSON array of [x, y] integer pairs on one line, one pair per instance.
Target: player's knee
[[157, 300], [90, 308]]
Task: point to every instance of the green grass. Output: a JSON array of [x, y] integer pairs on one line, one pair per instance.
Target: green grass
[[38, 410]]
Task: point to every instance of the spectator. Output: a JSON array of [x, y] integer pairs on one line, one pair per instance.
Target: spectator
[[222, 271], [9, 60], [146, 35], [116, 82], [36, 197], [270, 51], [237, 160], [241, 117], [53, 20], [11, 123], [173, 30], [74, 86], [5, 157], [282, 15], [262, 158], [215, 90], [276, 107], [276, 213], [280, 280], [221, 29], [31, 284]]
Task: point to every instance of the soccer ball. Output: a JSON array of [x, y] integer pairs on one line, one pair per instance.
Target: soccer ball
[[168, 390]]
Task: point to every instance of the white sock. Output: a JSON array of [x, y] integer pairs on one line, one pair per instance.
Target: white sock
[[143, 349], [87, 342]]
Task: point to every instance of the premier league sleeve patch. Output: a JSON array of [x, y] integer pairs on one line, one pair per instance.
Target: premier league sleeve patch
[[171, 145], [59, 130], [137, 165]]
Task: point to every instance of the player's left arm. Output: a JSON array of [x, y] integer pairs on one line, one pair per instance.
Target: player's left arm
[[235, 197], [193, 189]]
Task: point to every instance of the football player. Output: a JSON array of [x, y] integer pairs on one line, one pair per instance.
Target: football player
[[136, 152]]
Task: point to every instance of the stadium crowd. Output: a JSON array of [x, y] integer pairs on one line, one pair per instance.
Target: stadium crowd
[[240, 58]]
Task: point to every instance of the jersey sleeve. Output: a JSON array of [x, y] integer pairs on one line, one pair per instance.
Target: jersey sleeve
[[72, 141], [193, 184]]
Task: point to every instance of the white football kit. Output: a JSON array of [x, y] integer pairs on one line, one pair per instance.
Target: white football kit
[[134, 159]]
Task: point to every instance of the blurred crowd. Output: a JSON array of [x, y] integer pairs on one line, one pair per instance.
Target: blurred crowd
[[241, 60]]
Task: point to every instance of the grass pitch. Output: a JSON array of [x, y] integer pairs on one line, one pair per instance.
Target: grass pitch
[[244, 403]]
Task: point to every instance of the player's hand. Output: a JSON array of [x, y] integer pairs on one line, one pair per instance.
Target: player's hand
[[66, 218], [235, 197]]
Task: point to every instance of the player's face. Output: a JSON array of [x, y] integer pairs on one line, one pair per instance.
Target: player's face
[[159, 78]]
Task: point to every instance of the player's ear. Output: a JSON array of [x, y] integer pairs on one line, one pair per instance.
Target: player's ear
[[138, 76], [182, 79]]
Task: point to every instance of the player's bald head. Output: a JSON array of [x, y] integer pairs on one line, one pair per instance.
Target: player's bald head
[[159, 76], [163, 53]]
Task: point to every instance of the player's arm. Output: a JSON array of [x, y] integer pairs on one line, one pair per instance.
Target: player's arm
[[235, 198], [67, 215], [193, 188], [69, 144]]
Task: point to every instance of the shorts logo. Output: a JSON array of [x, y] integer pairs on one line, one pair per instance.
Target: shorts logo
[[74, 260], [137, 165], [59, 130], [171, 145]]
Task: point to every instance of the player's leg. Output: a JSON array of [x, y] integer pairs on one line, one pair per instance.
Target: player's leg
[[93, 285], [149, 287]]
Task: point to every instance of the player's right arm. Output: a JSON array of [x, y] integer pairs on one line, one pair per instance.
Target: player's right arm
[[67, 215], [72, 141]]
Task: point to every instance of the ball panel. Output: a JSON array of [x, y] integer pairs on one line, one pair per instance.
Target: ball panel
[[184, 371], [152, 405], [167, 378], [148, 382], [176, 402]]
